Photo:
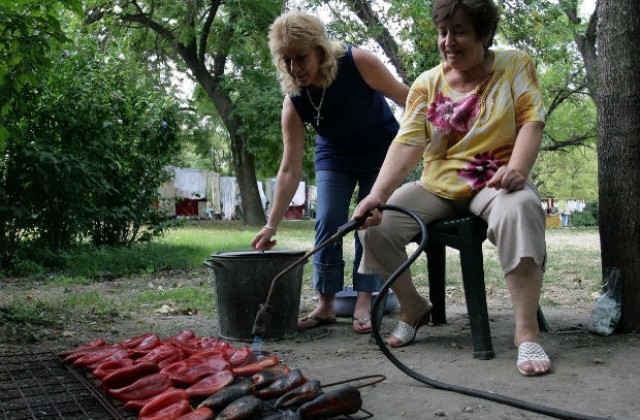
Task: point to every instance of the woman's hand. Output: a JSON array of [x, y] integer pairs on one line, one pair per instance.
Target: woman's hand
[[507, 178], [262, 241]]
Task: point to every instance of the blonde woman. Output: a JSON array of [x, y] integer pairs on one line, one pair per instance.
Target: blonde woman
[[341, 92]]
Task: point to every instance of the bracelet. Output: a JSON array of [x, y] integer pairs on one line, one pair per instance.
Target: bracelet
[[269, 228]]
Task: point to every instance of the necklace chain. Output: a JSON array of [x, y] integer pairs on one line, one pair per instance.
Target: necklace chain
[[317, 108]]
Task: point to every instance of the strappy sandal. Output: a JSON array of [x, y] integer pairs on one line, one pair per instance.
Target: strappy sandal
[[531, 352], [406, 332]]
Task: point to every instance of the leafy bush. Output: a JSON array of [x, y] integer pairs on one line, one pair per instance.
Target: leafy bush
[[588, 217], [88, 157]]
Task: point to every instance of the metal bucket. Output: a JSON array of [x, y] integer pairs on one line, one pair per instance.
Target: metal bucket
[[242, 281]]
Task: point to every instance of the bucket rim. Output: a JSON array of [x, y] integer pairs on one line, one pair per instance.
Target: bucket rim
[[255, 254]]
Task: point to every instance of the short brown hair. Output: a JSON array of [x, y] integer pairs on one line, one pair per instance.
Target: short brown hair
[[484, 15]]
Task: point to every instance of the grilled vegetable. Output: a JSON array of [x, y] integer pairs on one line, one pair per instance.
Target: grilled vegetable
[[210, 384], [145, 387], [241, 409], [202, 413], [297, 396], [105, 368], [94, 356], [284, 415], [169, 405], [340, 401], [145, 346], [98, 342], [255, 367], [227, 395], [191, 370], [241, 357], [128, 374], [267, 376], [136, 405], [283, 385]]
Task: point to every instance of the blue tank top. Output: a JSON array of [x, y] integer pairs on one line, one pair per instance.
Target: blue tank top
[[357, 124]]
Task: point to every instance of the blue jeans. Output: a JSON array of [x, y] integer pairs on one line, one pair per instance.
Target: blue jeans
[[335, 190]]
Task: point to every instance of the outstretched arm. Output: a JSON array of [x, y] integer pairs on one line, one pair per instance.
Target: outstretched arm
[[378, 76]]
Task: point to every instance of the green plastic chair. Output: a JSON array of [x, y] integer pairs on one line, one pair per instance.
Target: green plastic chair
[[466, 234]]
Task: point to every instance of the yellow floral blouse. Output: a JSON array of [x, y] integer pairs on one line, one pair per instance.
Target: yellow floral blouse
[[468, 136]]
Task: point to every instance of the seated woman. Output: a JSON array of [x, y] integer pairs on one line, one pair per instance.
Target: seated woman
[[476, 120]]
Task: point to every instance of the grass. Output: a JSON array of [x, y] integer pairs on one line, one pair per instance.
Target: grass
[[573, 271]]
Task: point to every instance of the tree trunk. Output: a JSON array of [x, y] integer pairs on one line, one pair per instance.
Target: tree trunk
[[243, 163], [619, 148]]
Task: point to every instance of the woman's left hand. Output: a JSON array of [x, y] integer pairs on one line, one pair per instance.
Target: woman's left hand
[[507, 178]]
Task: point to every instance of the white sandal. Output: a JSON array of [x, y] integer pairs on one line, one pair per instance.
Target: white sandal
[[406, 332], [531, 352]]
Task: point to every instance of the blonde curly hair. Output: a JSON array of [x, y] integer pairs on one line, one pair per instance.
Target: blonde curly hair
[[298, 30]]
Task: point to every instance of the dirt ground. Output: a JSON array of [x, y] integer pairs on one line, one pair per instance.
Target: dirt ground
[[593, 376]]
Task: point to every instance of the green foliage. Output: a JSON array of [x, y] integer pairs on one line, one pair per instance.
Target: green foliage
[[589, 217], [88, 156], [29, 31]]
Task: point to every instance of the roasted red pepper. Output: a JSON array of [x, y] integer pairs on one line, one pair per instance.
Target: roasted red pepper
[[242, 356], [145, 387], [196, 345], [96, 355], [181, 336], [158, 354], [132, 342], [210, 384], [169, 405], [136, 405], [172, 359], [202, 413], [145, 346], [256, 367], [116, 355], [105, 368], [190, 371], [98, 342], [128, 375]]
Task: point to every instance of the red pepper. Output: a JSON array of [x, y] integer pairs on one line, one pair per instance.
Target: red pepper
[[145, 387], [169, 405], [189, 371], [242, 356], [211, 384], [202, 413], [195, 345], [117, 355], [105, 368], [128, 375], [145, 346], [132, 342], [158, 354], [172, 359], [256, 367], [136, 405], [98, 342], [96, 355], [181, 336]]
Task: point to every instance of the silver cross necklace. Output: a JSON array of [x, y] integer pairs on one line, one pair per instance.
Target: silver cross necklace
[[317, 108]]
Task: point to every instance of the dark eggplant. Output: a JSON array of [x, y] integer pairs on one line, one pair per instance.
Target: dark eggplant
[[283, 385], [341, 401], [297, 396], [285, 415], [241, 409], [266, 377], [227, 395]]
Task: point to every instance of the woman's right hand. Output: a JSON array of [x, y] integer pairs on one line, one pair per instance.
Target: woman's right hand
[[369, 203], [262, 241]]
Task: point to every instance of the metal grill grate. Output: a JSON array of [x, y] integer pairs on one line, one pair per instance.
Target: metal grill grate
[[40, 386]]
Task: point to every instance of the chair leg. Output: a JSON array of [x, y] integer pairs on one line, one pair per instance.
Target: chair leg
[[436, 265], [475, 295]]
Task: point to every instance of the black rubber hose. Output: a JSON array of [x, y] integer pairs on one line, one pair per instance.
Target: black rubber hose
[[525, 405]]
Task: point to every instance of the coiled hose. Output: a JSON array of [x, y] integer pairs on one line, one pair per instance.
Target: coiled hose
[[375, 322]]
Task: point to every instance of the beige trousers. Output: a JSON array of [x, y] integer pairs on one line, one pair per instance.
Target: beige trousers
[[516, 225]]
